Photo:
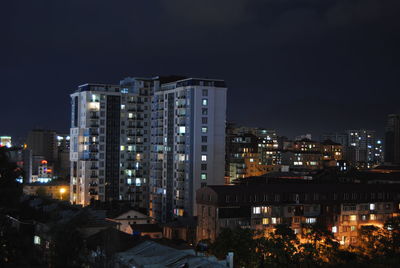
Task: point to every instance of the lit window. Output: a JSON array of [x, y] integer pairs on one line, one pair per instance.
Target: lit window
[[122, 147], [130, 115], [256, 210], [311, 220], [138, 182], [204, 130], [122, 106], [251, 160], [36, 240], [129, 181], [203, 176], [203, 157], [204, 102], [265, 221], [182, 130], [273, 220], [353, 217], [334, 229], [372, 217], [371, 206]]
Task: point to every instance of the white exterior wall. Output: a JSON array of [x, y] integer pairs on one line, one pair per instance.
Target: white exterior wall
[[164, 200]]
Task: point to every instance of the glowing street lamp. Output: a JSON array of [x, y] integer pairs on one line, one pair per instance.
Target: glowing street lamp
[[62, 190]]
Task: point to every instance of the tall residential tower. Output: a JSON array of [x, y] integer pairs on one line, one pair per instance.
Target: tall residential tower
[[148, 140], [109, 144], [187, 144]]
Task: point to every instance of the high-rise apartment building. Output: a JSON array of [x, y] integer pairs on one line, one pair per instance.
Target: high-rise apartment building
[[43, 142], [361, 147], [187, 144], [148, 140], [392, 139], [108, 142]]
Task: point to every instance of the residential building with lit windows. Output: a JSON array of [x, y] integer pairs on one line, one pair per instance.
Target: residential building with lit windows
[[361, 148], [303, 153], [250, 152], [187, 144], [340, 208], [109, 140]]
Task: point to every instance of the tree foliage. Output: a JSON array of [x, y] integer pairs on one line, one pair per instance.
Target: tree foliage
[[315, 247]]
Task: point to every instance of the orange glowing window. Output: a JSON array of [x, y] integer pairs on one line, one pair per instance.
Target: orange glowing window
[[43, 162]]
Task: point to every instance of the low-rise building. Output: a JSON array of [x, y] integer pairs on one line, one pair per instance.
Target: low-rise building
[[129, 217], [52, 189], [262, 206]]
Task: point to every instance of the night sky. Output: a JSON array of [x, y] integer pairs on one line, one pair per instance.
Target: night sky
[[297, 66]]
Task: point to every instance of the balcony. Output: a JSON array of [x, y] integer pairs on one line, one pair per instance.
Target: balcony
[[94, 116], [93, 184], [94, 167], [93, 192], [93, 132]]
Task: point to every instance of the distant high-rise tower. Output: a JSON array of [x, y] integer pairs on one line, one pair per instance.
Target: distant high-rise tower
[[361, 147], [187, 144], [43, 143], [392, 139]]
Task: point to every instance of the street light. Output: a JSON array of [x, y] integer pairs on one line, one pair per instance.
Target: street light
[[62, 190]]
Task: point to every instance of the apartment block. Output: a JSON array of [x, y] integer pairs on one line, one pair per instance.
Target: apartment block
[[187, 144]]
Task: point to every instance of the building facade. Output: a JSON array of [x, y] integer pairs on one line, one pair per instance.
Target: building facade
[[340, 208], [392, 139], [107, 143], [187, 144], [150, 141]]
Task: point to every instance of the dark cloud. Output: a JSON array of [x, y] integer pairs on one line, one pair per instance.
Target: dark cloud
[[209, 12]]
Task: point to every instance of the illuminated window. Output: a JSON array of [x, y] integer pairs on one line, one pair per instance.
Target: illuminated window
[[353, 217], [273, 220], [256, 210], [251, 160], [334, 229], [372, 217], [204, 102], [138, 182], [372, 206], [122, 147], [130, 115], [204, 130], [265, 221], [203, 176], [129, 181], [122, 106], [311, 220], [203, 157], [182, 130], [36, 240]]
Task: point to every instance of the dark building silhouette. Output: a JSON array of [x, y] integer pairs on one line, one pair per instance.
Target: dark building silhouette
[[392, 139]]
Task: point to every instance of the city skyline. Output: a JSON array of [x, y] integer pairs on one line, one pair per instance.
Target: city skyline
[[291, 67]]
